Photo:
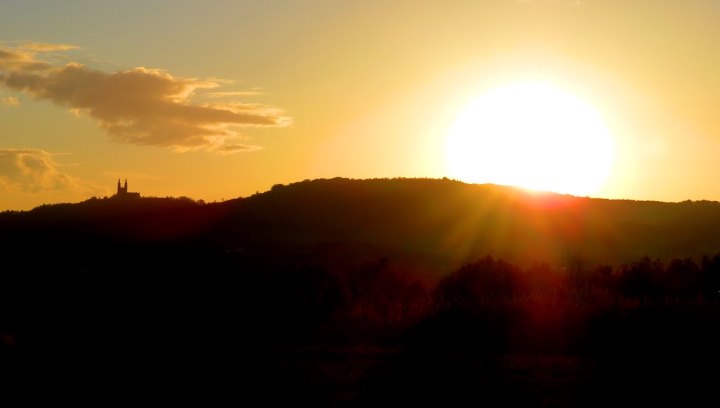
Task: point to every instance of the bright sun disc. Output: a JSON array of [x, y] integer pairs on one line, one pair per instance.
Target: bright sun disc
[[530, 135]]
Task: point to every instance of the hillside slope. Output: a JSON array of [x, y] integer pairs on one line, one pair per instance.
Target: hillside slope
[[441, 223]]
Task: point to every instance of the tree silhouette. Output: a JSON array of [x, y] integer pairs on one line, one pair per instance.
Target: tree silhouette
[[643, 280]]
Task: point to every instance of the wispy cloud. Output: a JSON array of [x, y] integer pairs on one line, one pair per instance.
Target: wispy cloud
[[9, 101], [232, 94], [18, 59], [235, 148], [46, 47], [140, 106]]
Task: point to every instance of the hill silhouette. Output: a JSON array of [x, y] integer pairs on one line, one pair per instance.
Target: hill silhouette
[[461, 222], [441, 223]]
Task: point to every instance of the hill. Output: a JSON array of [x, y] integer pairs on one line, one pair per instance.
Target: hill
[[436, 224]]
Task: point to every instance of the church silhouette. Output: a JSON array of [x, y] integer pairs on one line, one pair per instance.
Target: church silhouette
[[122, 191]]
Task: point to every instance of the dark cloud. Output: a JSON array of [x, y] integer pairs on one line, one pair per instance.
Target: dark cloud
[[31, 170], [139, 106]]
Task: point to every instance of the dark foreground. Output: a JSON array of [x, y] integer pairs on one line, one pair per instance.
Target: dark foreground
[[261, 334], [386, 378], [372, 377], [362, 293]]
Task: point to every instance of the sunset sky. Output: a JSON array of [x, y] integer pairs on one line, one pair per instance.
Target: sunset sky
[[219, 99]]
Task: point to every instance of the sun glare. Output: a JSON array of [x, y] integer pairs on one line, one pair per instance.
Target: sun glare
[[530, 135]]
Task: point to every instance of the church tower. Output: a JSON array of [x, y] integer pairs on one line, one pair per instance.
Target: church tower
[[122, 191]]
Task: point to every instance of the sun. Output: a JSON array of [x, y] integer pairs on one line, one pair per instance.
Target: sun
[[531, 135]]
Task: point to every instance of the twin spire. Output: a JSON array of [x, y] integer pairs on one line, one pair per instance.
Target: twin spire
[[122, 191]]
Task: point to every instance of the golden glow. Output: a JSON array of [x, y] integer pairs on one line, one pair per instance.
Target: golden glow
[[365, 103], [530, 135]]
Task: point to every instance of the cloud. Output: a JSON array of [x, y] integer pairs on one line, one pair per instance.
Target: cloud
[[46, 47], [10, 101], [31, 170], [19, 60], [236, 148], [10, 56], [231, 94], [139, 106]]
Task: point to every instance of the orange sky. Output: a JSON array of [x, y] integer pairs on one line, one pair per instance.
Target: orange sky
[[221, 99]]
